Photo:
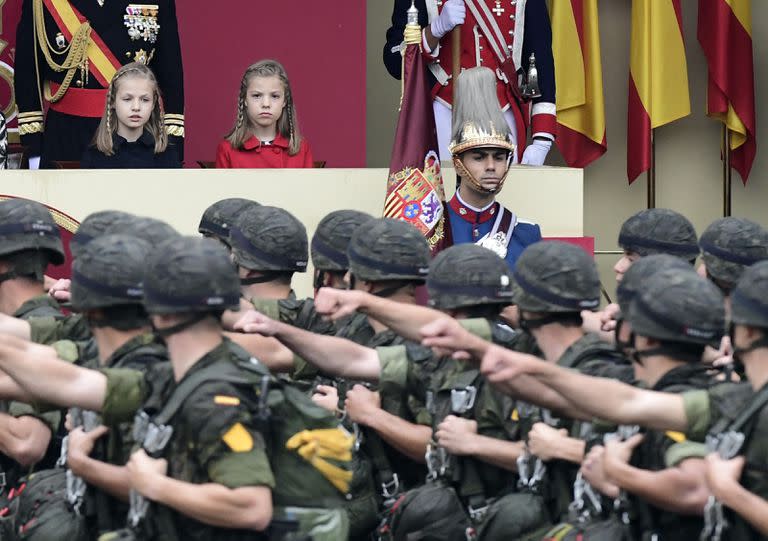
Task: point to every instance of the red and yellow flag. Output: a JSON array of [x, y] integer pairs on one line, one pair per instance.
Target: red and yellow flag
[[658, 78], [725, 34], [415, 191], [579, 73]]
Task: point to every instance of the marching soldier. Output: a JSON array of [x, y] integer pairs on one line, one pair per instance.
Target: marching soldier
[[67, 53]]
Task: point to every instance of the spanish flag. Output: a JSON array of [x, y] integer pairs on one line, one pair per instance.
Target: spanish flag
[[578, 70], [658, 78], [725, 34], [415, 191]]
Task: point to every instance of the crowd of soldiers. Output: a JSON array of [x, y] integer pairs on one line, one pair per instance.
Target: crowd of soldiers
[[176, 388]]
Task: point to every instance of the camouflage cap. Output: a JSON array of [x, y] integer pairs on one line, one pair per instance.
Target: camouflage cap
[[219, 217], [151, 230], [387, 249], [678, 305], [190, 274], [269, 239], [468, 275], [641, 270], [659, 231], [331, 239], [553, 276], [92, 226], [749, 299], [729, 245], [109, 272]]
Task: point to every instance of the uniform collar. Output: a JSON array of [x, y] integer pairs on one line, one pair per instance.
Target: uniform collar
[[253, 143], [472, 214], [35, 303]]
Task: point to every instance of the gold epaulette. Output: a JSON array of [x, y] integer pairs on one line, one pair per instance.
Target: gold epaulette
[[31, 122], [174, 124]]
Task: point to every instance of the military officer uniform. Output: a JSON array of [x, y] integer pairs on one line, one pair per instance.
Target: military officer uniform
[[67, 52]]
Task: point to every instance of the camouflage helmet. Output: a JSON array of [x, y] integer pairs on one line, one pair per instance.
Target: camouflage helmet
[[151, 230], [331, 239], [190, 274], [659, 231], [109, 272], [638, 274], [269, 239], [468, 275], [219, 217], [679, 306], [749, 299], [729, 245], [28, 226], [387, 249], [553, 276], [92, 226]]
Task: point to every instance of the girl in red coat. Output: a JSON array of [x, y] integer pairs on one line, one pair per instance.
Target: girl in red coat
[[266, 132]]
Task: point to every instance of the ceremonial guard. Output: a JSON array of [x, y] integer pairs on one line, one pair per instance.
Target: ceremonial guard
[[511, 37], [482, 150], [67, 53]]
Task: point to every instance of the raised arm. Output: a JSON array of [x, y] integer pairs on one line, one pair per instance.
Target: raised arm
[[39, 371], [404, 319], [604, 398], [332, 355]]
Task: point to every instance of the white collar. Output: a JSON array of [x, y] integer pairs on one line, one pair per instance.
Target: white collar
[[470, 207]]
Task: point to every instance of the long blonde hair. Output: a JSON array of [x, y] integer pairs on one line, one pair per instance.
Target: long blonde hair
[[108, 125], [287, 125]]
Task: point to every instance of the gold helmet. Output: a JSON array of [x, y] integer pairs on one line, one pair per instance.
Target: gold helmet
[[478, 122]]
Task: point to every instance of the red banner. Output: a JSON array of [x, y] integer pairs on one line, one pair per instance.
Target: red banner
[[415, 187]]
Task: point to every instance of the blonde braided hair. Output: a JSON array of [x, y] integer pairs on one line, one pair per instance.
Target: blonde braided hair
[[287, 125], [108, 125]]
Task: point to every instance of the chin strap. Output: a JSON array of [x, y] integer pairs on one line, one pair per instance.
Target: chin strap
[[179, 327], [463, 172]]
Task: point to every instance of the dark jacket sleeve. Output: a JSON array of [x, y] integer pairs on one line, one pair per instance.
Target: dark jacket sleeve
[[169, 70], [393, 60], [537, 39], [27, 85]]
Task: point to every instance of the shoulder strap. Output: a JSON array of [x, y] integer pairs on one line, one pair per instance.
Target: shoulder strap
[[191, 383], [759, 400]]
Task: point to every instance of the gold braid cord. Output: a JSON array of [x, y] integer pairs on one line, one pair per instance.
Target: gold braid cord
[[77, 52]]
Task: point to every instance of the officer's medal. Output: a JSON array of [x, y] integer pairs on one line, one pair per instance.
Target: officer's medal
[[497, 243]]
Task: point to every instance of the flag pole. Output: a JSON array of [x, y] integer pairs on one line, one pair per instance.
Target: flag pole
[[651, 194], [456, 53], [726, 171]]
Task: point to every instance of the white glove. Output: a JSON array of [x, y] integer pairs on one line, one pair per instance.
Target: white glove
[[536, 152], [34, 162], [452, 15]]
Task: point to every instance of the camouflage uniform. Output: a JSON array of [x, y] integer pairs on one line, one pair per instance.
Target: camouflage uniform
[[710, 413], [29, 241], [556, 281], [684, 313], [216, 435]]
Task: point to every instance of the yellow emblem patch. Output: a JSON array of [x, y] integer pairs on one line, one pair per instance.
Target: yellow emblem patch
[[515, 416], [238, 439], [677, 437], [223, 400]]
